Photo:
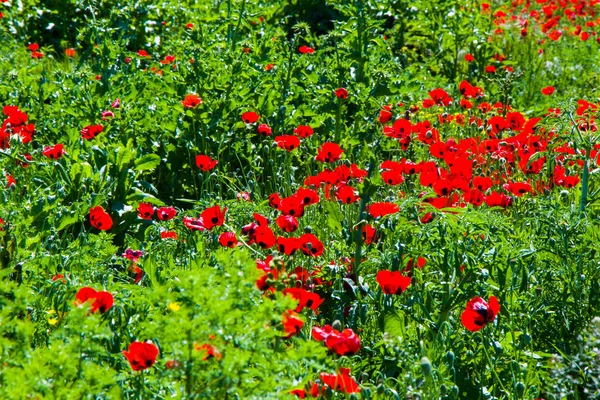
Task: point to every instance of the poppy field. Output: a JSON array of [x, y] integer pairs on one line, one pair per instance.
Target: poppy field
[[247, 199]]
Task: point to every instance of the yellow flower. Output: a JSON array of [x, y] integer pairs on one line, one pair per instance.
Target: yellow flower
[[174, 306]]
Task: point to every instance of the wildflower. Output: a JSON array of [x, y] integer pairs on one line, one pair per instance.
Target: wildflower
[[303, 131], [91, 131], [329, 152], [341, 93], [141, 355], [479, 313], [392, 282], [548, 90], [205, 163], [102, 301], [228, 239], [250, 117], [166, 213], [341, 382], [54, 152], [213, 216], [133, 255], [291, 323], [264, 129], [100, 219], [191, 101], [287, 142], [306, 50], [145, 211], [305, 298]]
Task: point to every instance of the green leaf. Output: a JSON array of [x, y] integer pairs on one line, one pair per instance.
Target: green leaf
[[147, 162], [334, 217], [67, 220], [393, 323]]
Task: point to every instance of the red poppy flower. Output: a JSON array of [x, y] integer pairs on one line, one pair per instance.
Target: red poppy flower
[[54, 152], [168, 60], [440, 97], [287, 223], [264, 237], [166, 213], [145, 211], [274, 200], [100, 219], [213, 216], [228, 239], [548, 90], [392, 282], [250, 117], [304, 131], [191, 101], [91, 131], [70, 52], [141, 355], [264, 129], [209, 351], [311, 245], [369, 234], [314, 391], [168, 235], [341, 93], [329, 152], [518, 188], [377, 210], [287, 142], [291, 323], [385, 114], [346, 194], [205, 163], [482, 183], [288, 246], [143, 53], [490, 69], [345, 343], [320, 334], [306, 50], [102, 301], [469, 58], [305, 298], [479, 313], [307, 196], [341, 382]]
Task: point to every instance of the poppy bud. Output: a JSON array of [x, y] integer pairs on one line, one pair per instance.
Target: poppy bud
[[450, 358], [443, 390], [520, 387], [526, 338], [454, 392], [426, 366], [484, 274], [337, 325], [308, 229]]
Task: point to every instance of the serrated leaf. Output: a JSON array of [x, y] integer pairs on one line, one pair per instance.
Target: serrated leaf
[[147, 162]]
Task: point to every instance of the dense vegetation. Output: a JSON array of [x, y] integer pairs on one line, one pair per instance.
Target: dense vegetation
[[379, 199]]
